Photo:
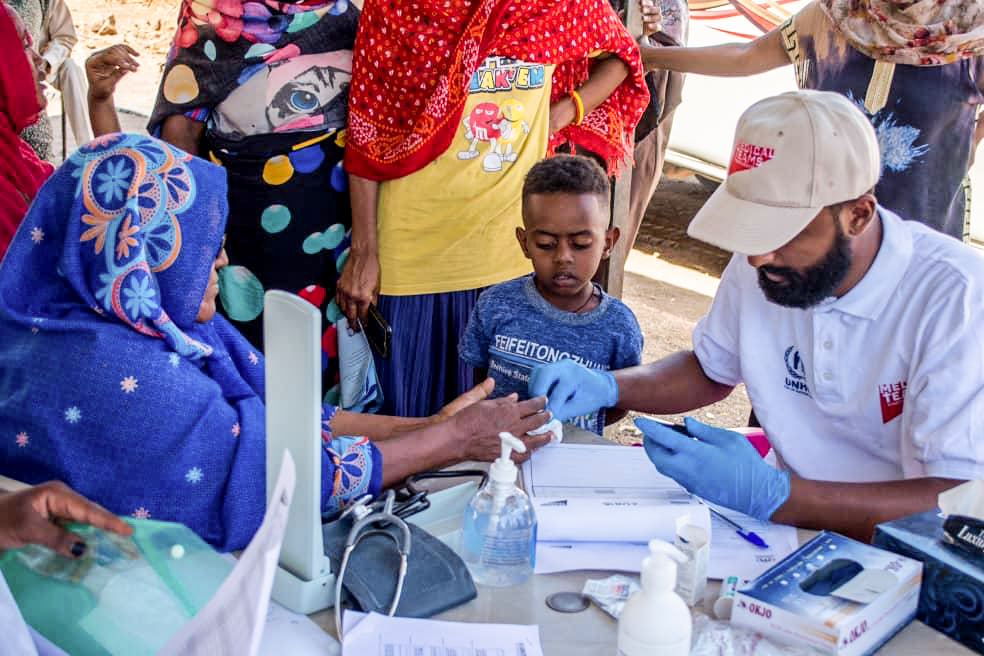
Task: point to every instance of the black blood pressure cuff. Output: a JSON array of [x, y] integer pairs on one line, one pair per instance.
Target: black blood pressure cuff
[[437, 579]]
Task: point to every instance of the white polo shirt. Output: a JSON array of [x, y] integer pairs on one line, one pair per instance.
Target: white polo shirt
[[884, 383]]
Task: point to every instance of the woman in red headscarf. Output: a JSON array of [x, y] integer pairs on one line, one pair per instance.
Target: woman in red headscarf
[[452, 102], [22, 172], [21, 100]]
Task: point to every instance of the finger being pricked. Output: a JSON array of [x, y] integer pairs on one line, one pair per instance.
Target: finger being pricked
[[530, 422], [532, 406], [532, 442]]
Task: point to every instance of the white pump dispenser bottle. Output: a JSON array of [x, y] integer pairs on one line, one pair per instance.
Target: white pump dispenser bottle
[[499, 534], [655, 620]]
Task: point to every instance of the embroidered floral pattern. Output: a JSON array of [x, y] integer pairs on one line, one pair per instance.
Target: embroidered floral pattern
[[352, 457]]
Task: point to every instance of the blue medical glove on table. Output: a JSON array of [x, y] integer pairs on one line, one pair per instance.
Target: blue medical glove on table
[[573, 390], [718, 465]]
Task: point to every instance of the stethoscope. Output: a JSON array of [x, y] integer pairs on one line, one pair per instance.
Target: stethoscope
[[367, 514], [389, 511]]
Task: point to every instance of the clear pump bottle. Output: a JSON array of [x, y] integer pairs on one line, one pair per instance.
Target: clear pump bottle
[[499, 534]]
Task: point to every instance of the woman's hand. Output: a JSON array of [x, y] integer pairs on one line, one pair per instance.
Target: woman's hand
[[479, 426], [466, 400], [30, 516], [104, 68], [562, 113], [358, 286]]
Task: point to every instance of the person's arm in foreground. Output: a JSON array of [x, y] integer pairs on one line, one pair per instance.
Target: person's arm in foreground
[[672, 385], [855, 508], [727, 60], [722, 467], [103, 69], [382, 427], [472, 434], [607, 73], [29, 516], [359, 283]]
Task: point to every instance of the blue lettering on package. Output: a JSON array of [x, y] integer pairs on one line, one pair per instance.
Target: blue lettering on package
[[796, 372]]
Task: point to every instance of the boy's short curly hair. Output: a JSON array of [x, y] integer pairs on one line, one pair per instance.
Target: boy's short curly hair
[[567, 174]]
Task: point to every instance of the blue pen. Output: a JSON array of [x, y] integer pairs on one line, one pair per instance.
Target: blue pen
[[750, 536]]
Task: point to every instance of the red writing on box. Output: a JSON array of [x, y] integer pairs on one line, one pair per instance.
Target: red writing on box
[[748, 156], [892, 397]]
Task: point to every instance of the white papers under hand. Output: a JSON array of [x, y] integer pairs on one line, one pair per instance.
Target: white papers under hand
[[732, 555], [597, 506], [379, 635], [232, 622]]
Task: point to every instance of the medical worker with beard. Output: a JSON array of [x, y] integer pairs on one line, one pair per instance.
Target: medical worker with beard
[[856, 333]]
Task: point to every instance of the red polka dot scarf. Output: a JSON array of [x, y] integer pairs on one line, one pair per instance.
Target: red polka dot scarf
[[414, 60]]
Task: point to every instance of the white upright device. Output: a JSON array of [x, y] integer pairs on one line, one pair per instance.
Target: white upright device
[[304, 581]]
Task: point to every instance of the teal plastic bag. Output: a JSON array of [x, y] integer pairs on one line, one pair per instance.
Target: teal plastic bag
[[125, 596]]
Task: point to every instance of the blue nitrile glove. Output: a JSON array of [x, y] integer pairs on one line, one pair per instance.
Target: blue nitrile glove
[[718, 465], [571, 389]]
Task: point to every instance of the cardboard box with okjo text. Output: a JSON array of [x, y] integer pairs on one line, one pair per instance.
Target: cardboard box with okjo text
[[837, 595]]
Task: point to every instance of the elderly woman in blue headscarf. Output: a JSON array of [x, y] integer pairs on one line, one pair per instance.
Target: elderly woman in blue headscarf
[[117, 377]]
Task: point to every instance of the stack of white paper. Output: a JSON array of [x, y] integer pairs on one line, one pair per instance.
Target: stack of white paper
[[379, 635], [598, 505]]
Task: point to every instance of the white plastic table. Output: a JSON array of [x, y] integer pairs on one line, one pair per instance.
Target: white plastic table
[[592, 632]]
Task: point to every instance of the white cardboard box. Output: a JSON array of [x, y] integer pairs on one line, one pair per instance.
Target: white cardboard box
[[837, 595]]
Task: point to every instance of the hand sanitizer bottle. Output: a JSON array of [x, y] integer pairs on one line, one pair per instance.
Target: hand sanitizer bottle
[[655, 620], [499, 534]]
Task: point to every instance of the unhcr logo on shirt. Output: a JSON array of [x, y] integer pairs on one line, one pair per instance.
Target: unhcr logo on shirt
[[796, 372]]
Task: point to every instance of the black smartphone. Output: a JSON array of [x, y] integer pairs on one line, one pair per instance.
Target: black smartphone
[[378, 332]]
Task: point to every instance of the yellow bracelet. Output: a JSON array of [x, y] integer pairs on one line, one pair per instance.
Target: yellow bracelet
[[580, 107]]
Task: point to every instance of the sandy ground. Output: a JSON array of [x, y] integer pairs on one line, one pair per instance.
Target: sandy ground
[[671, 278]]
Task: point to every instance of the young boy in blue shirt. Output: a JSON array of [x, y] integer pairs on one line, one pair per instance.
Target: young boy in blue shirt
[[557, 311]]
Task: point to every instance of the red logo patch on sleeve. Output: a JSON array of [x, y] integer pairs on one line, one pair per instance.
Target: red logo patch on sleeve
[[748, 156], [892, 397]]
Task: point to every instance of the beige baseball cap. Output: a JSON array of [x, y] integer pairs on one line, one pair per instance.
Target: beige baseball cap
[[793, 155]]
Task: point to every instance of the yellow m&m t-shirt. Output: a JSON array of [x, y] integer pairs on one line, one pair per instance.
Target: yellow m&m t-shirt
[[451, 225]]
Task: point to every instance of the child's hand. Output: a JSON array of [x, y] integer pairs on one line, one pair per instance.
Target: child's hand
[[562, 113], [652, 18]]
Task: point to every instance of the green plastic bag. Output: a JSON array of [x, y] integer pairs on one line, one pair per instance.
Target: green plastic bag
[[125, 596]]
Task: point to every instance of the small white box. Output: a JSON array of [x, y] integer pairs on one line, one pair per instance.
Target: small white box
[[837, 595]]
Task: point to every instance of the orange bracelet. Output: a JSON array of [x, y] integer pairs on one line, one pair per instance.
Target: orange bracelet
[[576, 97]]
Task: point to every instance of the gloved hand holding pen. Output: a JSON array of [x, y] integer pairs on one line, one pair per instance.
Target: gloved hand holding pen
[[572, 389], [718, 465]]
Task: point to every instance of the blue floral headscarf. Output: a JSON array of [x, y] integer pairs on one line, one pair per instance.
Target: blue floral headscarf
[[107, 382], [133, 204]]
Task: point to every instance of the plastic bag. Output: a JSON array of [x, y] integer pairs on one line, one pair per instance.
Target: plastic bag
[[124, 596], [712, 638]]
